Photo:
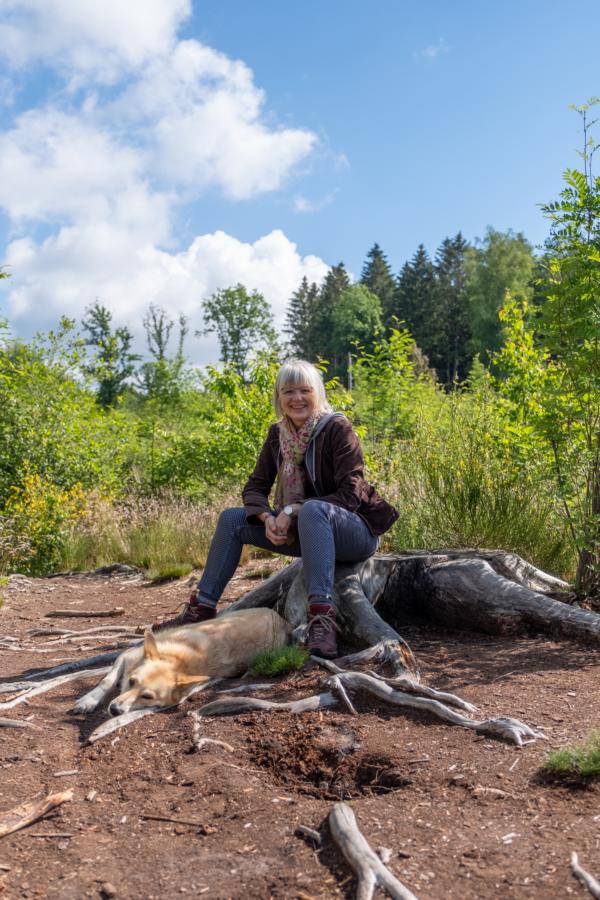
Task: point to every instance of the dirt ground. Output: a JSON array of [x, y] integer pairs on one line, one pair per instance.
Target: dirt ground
[[418, 787]]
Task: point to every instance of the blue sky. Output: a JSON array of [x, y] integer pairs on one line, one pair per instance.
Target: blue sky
[[157, 152]]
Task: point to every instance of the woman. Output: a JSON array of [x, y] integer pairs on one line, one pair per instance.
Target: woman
[[323, 509]]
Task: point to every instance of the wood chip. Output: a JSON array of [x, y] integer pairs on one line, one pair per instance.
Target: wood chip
[[30, 811]]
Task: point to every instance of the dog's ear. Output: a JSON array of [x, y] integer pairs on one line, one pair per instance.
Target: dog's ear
[[150, 646], [192, 679]]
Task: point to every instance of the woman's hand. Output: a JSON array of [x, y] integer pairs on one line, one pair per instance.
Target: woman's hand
[[272, 531], [282, 523]]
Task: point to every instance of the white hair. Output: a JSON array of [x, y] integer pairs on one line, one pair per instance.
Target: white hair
[[299, 371]]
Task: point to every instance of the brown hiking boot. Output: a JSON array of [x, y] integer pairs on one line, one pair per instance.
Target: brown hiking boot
[[322, 640], [193, 612]]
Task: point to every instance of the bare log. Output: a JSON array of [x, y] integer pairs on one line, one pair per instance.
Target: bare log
[[584, 877], [23, 815], [363, 860]]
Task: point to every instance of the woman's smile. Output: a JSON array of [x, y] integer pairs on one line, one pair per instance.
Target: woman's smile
[[298, 403]]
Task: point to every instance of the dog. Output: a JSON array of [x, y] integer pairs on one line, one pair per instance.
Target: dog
[[169, 665]]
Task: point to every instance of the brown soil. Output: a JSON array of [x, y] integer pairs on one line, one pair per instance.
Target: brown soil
[[417, 786]]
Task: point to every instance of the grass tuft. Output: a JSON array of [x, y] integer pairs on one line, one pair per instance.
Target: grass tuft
[[279, 662], [582, 760], [169, 572]]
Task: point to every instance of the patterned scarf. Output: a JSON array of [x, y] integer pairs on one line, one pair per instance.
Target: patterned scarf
[[291, 478]]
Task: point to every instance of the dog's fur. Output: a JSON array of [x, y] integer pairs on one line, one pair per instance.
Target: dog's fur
[[170, 664]]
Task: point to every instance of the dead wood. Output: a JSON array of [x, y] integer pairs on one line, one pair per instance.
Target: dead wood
[[230, 705], [23, 815], [510, 729], [98, 629], [15, 723], [49, 685], [584, 877], [368, 867], [85, 613], [74, 666]]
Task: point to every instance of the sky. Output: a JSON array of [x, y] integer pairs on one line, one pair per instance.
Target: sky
[[156, 151]]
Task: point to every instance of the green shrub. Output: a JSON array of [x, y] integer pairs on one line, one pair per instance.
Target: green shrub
[[279, 662], [169, 572]]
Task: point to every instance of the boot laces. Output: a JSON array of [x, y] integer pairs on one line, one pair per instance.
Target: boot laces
[[321, 624]]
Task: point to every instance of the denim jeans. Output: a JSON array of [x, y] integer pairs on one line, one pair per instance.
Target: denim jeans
[[326, 534]]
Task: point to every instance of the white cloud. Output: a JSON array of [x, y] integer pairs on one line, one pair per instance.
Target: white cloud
[[432, 51], [303, 205], [89, 37], [68, 271]]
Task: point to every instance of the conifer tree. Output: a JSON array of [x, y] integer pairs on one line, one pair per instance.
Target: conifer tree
[[453, 358], [415, 302], [334, 284], [300, 321], [377, 277]]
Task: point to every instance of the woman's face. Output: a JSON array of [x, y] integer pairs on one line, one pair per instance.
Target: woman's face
[[298, 402]]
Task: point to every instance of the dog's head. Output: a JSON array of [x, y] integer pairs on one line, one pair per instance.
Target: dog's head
[[154, 683]]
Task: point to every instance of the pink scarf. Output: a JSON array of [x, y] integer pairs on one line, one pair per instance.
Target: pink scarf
[[291, 478]]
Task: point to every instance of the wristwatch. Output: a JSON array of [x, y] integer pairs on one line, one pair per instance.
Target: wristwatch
[[288, 510]]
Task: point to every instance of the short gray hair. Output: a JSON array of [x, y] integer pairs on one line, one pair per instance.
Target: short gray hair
[[299, 371]]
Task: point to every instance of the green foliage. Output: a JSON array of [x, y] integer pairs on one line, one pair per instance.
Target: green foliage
[[502, 262], [279, 662], [355, 321], [451, 357], [582, 760], [243, 323], [163, 378], [377, 277], [113, 362], [301, 324]]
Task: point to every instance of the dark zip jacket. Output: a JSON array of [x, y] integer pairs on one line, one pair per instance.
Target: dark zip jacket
[[335, 468]]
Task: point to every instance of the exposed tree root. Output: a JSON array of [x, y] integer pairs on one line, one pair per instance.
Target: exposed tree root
[[510, 729], [230, 705], [584, 877], [49, 685], [363, 860], [23, 815], [15, 723]]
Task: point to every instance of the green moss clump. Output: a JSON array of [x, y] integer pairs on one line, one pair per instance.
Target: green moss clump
[[170, 572], [582, 760], [280, 661]]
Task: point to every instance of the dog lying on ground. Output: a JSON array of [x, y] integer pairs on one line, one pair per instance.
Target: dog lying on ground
[[168, 665]]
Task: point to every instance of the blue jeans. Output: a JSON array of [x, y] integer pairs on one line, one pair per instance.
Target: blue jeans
[[326, 534]]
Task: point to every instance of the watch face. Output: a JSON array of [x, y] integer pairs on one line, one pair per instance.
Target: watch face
[[288, 510]]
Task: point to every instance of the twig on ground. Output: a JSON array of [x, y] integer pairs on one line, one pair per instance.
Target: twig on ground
[[70, 632], [156, 818], [48, 686], [23, 815], [310, 833], [584, 877], [85, 613], [338, 688], [368, 867]]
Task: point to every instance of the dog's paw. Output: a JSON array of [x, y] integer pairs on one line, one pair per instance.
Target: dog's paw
[[86, 704]]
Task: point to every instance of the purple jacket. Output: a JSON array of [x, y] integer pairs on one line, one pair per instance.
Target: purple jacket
[[335, 474]]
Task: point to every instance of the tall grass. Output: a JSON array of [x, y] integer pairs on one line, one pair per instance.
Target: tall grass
[[459, 482], [152, 533]]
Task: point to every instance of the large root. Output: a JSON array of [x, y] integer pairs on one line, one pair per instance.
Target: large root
[[366, 864]]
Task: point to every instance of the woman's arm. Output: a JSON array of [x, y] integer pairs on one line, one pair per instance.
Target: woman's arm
[[347, 464], [255, 494]]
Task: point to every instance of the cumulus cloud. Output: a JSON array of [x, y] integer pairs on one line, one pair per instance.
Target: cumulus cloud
[[93, 180], [87, 37], [68, 271]]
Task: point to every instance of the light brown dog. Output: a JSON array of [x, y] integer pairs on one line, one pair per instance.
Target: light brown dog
[[162, 671]]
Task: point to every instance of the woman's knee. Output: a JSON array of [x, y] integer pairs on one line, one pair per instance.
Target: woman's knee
[[232, 518], [313, 510]]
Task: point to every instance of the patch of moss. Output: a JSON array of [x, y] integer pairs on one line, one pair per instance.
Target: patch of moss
[[279, 662], [582, 760], [170, 572]]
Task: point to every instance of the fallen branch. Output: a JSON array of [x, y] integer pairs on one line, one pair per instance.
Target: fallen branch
[[23, 815], [74, 666], [152, 818], [49, 685], [15, 723], [369, 869], [85, 614], [584, 877], [70, 632], [230, 705], [511, 729]]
